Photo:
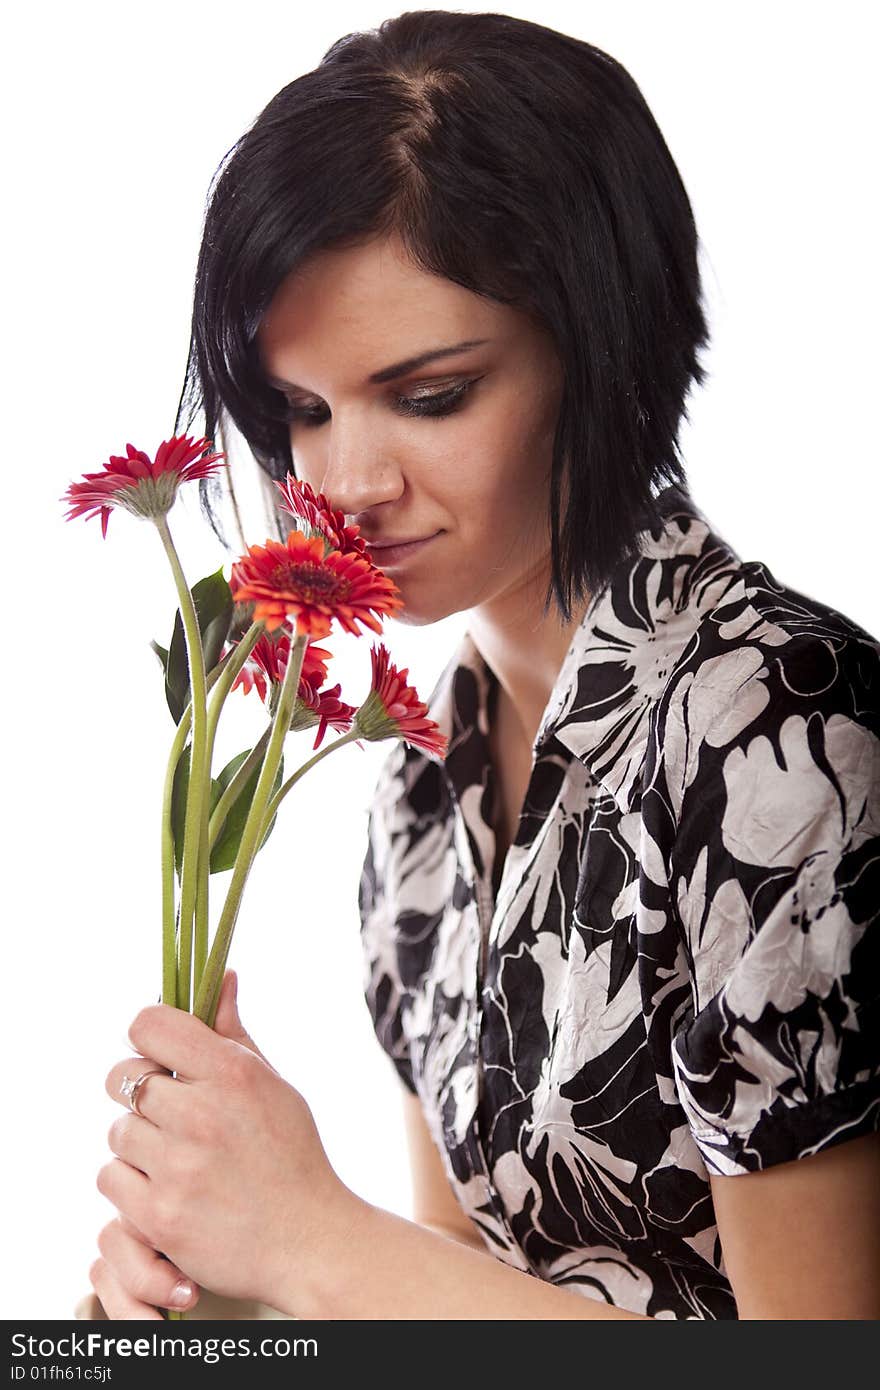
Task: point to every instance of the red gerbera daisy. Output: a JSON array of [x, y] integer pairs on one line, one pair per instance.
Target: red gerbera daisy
[[249, 678], [267, 662], [142, 486], [325, 709], [301, 501], [264, 672], [393, 709], [297, 578]]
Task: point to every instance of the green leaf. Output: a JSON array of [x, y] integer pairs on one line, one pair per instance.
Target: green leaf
[[229, 839], [178, 805], [271, 826], [213, 603], [162, 654]]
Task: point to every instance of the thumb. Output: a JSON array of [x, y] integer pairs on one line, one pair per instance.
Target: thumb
[[226, 1021]]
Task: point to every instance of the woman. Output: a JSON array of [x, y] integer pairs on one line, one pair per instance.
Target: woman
[[617, 941]]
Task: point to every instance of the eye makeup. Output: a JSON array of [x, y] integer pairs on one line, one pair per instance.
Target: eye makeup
[[432, 405]]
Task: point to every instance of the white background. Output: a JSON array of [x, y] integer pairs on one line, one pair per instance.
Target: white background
[[115, 119]]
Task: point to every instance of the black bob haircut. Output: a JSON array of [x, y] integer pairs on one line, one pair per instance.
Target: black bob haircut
[[511, 159]]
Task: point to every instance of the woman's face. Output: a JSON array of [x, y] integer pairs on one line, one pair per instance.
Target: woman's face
[[474, 467]]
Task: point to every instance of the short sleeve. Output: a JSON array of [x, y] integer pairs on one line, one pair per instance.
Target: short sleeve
[[383, 988], [776, 880]]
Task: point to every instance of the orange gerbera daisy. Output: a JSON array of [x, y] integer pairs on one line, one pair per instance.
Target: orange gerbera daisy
[[143, 486], [301, 501], [393, 709], [300, 578]]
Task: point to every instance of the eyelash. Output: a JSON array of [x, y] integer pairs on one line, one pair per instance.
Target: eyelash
[[435, 406]]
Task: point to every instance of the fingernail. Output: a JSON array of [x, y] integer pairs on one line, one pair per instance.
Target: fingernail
[[183, 1292]]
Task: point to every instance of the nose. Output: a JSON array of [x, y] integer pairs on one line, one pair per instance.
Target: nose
[[359, 472]]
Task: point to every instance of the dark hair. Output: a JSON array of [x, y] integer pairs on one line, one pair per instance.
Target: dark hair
[[516, 161]]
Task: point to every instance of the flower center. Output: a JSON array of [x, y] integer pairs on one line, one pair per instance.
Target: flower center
[[313, 583]]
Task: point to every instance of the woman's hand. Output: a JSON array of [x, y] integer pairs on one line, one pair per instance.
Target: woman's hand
[[133, 1280], [224, 1172]]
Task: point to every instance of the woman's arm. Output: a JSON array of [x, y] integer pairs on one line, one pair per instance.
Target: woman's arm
[[434, 1204], [802, 1237], [801, 1240], [377, 1266], [433, 1267]]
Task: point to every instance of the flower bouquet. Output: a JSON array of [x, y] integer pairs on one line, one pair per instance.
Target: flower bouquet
[[255, 631]]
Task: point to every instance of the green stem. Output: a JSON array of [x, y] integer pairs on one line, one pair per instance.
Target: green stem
[[196, 794], [169, 913], [200, 936], [227, 675], [209, 990], [169, 942], [272, 808], [169, 916], [234, 790]]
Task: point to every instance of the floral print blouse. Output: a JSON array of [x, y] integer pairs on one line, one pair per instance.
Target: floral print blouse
[[679, 975]]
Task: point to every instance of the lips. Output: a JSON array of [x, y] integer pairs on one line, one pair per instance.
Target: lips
[[385, 555], [383, 543]]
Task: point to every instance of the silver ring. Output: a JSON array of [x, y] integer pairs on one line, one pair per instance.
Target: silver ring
[[130, 1088]]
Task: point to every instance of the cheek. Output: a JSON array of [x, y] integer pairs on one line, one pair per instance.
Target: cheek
[[517, 480], [307, 465], [502, 456], [495, 483]]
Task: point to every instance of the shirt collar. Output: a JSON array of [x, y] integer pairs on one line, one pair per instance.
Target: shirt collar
[[620, 657]]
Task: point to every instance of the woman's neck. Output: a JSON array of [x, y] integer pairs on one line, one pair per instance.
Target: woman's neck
[[525, 651]]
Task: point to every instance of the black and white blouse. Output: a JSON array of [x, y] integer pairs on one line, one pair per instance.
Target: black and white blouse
[[679, 976]]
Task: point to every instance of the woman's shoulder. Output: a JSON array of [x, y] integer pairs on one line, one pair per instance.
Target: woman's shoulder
[[766, 795], [767, 654], [767, 742]]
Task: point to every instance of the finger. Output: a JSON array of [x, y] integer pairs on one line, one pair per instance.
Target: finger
[[129, 1191], [227, 1021], [142, 1273], [128, 1225], [117, 1303], [178, 1040], [150, 1104], [137, 1142]]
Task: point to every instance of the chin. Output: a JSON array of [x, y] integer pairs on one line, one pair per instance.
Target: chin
[[418, 617], [419, 611]]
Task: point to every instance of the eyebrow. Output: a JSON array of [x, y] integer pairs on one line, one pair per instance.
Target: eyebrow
[[398, 369]]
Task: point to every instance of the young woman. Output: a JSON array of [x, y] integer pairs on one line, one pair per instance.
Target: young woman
[[619, 940]]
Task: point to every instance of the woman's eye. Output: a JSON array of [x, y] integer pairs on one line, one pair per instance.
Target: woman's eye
[[436, 404], [439, 403], [308, 416]]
